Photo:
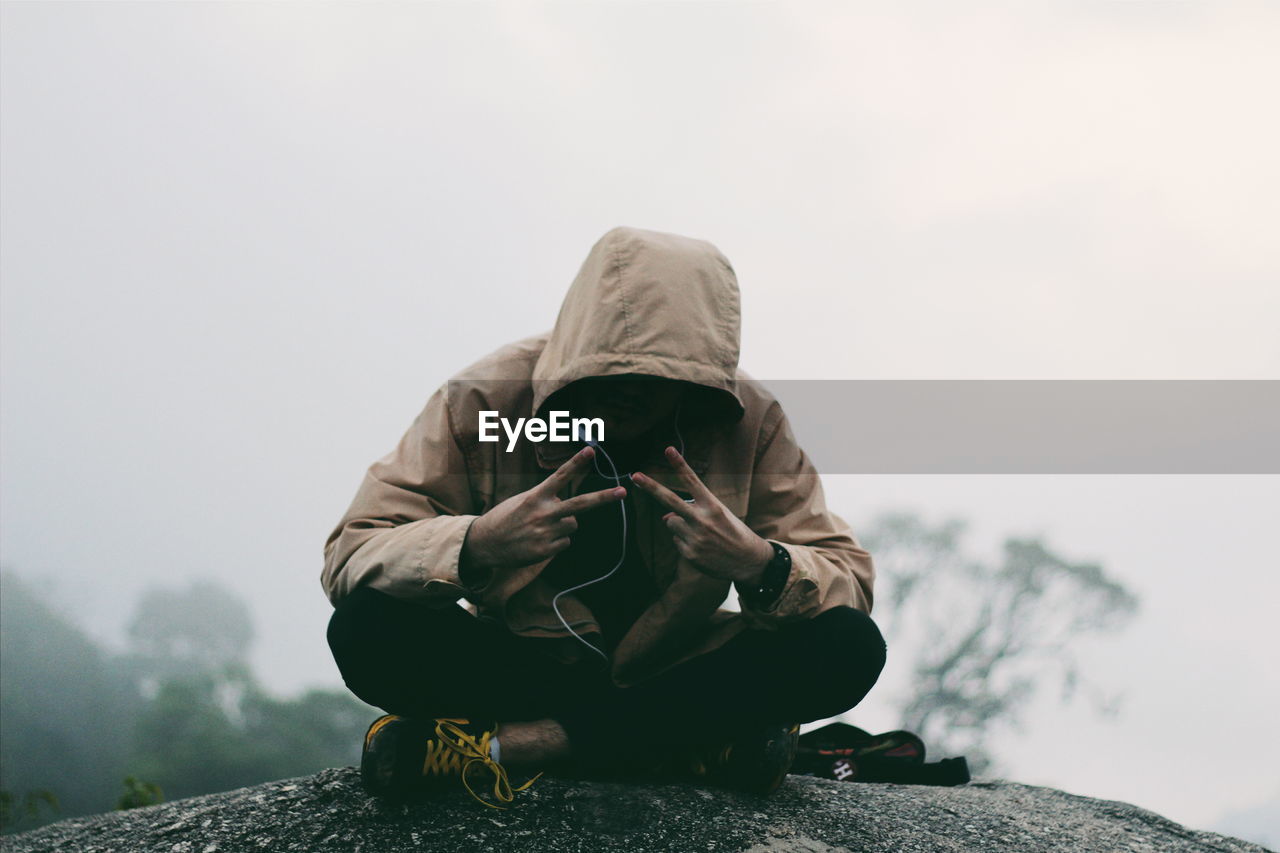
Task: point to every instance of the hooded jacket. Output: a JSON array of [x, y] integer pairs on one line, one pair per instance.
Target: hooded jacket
[[643, 302]]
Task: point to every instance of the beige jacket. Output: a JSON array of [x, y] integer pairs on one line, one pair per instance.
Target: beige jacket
[[643, 302]]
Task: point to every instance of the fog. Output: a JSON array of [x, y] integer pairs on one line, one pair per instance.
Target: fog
[[242, 243]]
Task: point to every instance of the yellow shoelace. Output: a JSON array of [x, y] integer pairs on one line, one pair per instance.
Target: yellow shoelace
[[455, 750], [702, 761]]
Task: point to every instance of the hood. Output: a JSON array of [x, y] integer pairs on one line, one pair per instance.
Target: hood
[[652, 303]]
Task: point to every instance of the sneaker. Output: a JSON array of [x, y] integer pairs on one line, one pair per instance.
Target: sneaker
[[403, 754], [757, 763]]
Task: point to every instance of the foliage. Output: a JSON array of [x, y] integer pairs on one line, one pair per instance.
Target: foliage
[[138, 794], [193, 740], [67, 707], [209, 725], [203, 628], [983, 638], [15, 811], [181, 709]]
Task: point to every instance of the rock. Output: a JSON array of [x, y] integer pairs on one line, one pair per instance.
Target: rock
[[330, 812]]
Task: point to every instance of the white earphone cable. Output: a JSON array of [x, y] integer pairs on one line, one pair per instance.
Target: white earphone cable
[[617, 481]]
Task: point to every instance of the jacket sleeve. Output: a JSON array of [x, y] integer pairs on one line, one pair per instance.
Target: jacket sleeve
[[828, 566], [404, 531]]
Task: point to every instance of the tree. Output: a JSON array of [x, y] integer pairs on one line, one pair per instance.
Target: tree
[[981, 639], [202, 628], [209, 725], [138, 794], [180, 714], [67, 711], [32, 807]]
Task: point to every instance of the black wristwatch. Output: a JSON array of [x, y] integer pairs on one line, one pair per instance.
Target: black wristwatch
[[772, 581]]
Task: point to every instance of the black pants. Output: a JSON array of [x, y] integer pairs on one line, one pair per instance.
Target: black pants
[[444, 662]]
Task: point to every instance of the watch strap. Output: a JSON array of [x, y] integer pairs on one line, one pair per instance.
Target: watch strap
[[772, 581]]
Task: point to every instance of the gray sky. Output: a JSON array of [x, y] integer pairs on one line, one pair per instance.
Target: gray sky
[[242, 243]]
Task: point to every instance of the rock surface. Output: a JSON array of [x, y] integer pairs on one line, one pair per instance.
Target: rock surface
[[330, 812]]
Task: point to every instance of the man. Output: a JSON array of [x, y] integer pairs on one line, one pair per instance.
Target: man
[[595, 637]]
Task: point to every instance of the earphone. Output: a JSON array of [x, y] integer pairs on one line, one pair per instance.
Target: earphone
[[617, 481]]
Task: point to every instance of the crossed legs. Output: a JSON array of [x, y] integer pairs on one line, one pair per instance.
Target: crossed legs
[[444, 662]]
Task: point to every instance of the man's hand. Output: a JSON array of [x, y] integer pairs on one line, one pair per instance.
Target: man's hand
[[706, 533], [533, 525]]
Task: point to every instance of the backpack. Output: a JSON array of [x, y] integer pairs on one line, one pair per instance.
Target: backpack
[[849, 754]]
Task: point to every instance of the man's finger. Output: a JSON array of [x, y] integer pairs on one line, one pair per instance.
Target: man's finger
[[665, 496], [562, 475], [557, 546], [580, 503], [678, 526], [566, 526], [696, 487]]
